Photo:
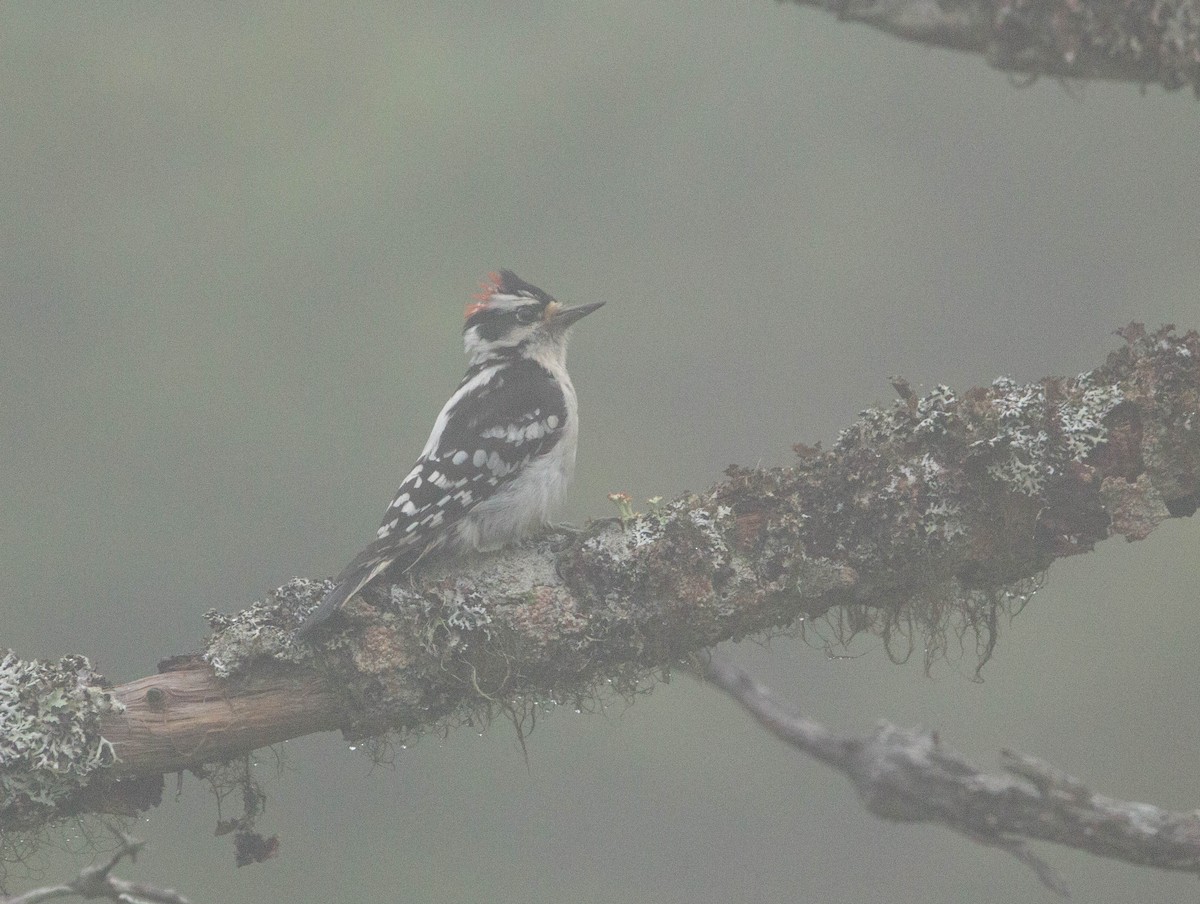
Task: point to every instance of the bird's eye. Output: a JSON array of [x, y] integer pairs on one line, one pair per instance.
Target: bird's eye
[[527, 314]]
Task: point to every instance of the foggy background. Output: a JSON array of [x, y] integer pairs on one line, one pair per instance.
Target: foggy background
[[236, 245]]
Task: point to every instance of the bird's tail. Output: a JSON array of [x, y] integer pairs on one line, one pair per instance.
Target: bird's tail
[[357, 575]]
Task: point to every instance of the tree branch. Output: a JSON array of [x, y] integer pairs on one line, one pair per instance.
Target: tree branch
[[1143, 41], [908, 775], [924, 519]]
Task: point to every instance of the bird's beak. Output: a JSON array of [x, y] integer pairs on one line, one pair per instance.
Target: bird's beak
[[560, 318]]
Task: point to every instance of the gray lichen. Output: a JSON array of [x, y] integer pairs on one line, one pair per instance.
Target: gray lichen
[[1035, 439], [1024, 434], [263, 631], [50, 741]]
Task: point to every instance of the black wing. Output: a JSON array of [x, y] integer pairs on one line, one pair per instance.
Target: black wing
[[497, 421]]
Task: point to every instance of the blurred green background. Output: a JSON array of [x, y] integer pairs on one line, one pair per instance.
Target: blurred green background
[[237, 240]]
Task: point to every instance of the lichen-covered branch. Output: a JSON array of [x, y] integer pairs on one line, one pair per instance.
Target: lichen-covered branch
[[1143, 41], [920, 523], [909, 775]]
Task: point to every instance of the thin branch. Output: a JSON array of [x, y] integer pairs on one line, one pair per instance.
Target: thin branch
[[97, 881], [908, 775]]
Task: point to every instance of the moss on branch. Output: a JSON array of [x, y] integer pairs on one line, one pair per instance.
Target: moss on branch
[[923, 522]]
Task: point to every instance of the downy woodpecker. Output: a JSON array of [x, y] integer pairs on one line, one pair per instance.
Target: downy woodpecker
[[502, 450]]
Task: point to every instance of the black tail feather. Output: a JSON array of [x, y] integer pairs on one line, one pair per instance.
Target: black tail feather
[[353, 579]]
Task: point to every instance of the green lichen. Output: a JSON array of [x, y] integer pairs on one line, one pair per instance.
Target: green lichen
[[50, 741]]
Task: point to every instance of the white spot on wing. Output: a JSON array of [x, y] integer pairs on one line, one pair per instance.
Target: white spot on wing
[[443, 418]]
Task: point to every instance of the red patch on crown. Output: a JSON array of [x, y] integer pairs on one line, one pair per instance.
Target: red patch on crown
[[482, 299], [489, 287]]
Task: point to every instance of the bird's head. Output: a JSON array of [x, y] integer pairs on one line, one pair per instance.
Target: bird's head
[[511, 317]]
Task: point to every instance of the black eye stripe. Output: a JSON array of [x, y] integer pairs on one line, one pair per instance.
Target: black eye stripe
[[494, 322]]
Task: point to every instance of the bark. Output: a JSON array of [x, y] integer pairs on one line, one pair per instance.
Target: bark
[[187, 717]]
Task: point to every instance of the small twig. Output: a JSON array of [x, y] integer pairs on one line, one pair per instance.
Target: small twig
[[1046, 874], [909, 775], [96, 882]]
